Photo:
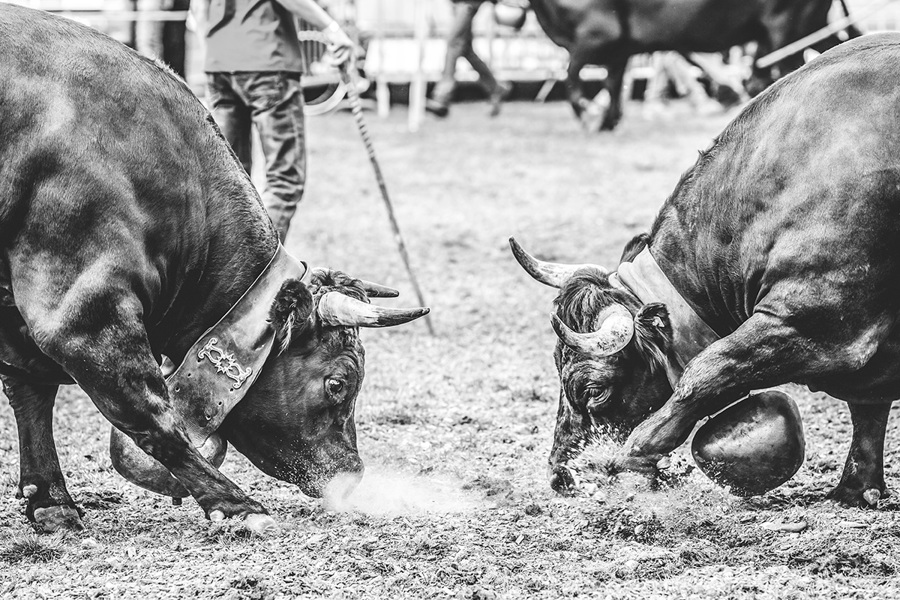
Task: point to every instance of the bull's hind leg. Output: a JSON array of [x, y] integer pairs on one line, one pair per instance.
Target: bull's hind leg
[[614, 84], [864, 470], [99, 339], [41, 483]]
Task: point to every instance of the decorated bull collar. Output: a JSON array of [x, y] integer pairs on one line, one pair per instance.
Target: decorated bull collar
[[221, 366], [645, 279]]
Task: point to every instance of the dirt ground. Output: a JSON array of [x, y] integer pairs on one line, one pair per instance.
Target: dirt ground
[[456, 429]]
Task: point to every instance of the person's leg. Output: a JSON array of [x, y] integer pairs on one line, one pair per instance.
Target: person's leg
[[231, 114], [459, 41], [276, 100]]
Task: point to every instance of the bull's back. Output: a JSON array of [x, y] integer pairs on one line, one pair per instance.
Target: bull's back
[[650, 25], [80, 105], [797, 203]]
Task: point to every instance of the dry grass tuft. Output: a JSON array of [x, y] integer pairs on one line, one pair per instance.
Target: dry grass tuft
[[33, 548]]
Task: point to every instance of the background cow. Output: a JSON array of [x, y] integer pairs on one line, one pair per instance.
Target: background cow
[[608, 32], [775, 260], [127, 229]]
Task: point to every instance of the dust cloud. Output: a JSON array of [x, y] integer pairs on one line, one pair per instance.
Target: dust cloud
[[393, 493]]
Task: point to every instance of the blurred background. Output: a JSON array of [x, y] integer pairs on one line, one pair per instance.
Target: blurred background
[[403, 46]]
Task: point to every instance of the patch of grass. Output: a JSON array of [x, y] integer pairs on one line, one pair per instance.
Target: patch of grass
[[32, 548]]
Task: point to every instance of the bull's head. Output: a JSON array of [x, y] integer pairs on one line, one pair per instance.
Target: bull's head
[[296, 421], [610, 356]]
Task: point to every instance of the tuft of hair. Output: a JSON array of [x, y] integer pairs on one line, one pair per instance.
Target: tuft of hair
[[292, 306], [330, 280], [653, 334], [584, 296]]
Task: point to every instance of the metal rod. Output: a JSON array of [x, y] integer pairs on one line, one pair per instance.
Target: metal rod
[[356, 107], [793, 48]]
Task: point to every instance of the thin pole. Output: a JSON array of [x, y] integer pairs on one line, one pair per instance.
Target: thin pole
[[418, 84], [356, 107], [770, 59]]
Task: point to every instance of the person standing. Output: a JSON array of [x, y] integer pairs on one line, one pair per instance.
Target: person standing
[[253, 67], [459, 45]]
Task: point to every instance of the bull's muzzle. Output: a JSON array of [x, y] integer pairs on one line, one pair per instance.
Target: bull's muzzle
[[141, 469]]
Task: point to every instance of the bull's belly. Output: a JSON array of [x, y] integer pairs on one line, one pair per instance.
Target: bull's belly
[[20, 358], [877, 382]]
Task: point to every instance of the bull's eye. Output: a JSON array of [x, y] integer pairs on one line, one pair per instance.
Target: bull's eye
[[334, 386], [595, 396]]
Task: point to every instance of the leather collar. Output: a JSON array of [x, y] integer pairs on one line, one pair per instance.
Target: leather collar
[[645, 279], [221, 366]]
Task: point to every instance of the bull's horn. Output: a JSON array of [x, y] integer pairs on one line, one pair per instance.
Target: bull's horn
[[337, 309], [615, 331], [548, 273], [376, 290]]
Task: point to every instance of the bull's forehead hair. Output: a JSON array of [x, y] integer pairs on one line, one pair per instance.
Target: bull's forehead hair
[[584, 296]]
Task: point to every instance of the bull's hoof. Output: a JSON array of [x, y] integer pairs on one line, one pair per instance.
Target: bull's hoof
[[595, 114], [49, 519], [857, 497], [561, 480], [261, 525], [610, 121]]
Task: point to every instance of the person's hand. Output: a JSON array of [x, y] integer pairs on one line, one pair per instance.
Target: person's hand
[[340, 46]]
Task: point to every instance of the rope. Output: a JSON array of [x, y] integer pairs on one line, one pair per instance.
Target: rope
[[356, 108]]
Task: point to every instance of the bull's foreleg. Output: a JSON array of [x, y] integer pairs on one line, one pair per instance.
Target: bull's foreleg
[[567, 441], [575, 86], [762, 352], [862, 483], [113, 363], [49, 505]]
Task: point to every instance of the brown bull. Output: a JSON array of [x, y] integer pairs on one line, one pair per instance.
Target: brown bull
[[607, 32], [129, 232], [776, 259]]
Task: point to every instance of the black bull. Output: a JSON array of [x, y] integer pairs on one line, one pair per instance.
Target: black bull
[[608, 32], [127, 229], [776, 259]]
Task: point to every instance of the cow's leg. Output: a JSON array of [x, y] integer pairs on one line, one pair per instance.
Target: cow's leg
[[864, 469], [762, 352], [41, 482], [574, 85], [614, 82], [112, 361]]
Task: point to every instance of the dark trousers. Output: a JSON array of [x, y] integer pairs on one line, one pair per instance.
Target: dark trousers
[[459, 45], [273, 101]]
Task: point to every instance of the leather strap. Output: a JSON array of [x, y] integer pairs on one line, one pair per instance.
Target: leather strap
[[645, 279], [221, 366]]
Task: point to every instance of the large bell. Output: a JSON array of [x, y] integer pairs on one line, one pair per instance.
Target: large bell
[[753, 446], [140, 468]]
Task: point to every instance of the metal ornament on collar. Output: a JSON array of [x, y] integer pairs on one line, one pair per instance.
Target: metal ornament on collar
[[645, 279], [214, 377]]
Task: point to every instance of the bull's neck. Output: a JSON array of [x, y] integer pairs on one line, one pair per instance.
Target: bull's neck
[[235, 247], [690, 333]]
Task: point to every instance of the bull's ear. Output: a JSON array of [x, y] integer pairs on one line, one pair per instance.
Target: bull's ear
[[653, 333], [634, 247], [290, 310]]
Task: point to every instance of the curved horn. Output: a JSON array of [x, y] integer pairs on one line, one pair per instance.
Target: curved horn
[[548, 273], [615, 331], [375, 290], [337, 309]]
